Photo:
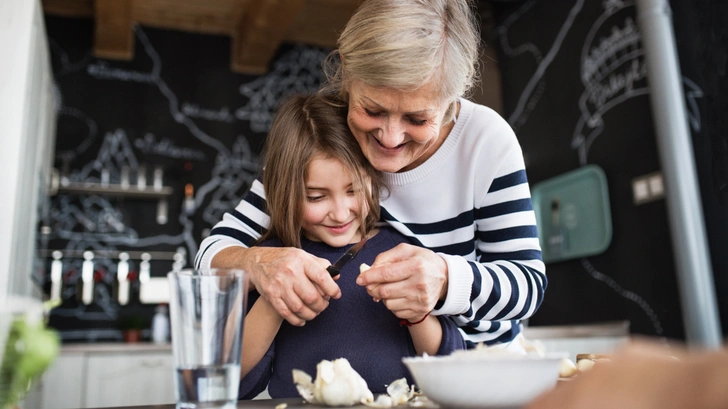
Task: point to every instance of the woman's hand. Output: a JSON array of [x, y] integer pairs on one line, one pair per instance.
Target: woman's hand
[[408, 279], [294, 282]]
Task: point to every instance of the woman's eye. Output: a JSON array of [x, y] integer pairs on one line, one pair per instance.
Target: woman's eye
[[372, 113], [417, 122]]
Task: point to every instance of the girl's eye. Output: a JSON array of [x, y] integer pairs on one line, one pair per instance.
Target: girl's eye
[[314, 198], [372, 113]]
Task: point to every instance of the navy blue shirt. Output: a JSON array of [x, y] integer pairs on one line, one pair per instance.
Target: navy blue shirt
[[353, 327]]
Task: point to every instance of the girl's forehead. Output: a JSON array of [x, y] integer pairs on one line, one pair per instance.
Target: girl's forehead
[[322, 168]]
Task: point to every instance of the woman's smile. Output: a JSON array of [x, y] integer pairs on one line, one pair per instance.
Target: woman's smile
[[396, 130]]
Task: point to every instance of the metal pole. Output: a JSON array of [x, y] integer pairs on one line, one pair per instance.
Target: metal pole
[[689, 242]]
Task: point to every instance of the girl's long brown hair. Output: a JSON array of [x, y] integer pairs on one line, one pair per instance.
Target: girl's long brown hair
[[306, 126]]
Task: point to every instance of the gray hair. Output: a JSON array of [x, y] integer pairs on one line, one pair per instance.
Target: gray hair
[[406, 44]]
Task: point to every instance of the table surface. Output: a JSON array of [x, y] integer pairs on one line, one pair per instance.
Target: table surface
[[291, 403]]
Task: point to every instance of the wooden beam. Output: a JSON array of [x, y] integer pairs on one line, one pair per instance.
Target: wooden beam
[[262, 28], [69, 8], [114, 30], [197, 16], [321, 22]]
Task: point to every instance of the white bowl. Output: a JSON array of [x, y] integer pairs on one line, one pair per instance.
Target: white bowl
[[484, 381]]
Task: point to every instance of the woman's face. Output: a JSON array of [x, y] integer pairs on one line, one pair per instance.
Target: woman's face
[[397, 130], [332, 211]]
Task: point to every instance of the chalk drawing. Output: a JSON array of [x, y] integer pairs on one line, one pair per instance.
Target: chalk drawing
[[95, 222], [533, 90], [612, 71], [644, 306], [297, 71]]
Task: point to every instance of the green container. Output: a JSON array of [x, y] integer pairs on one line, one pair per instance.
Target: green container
[[572, 213]]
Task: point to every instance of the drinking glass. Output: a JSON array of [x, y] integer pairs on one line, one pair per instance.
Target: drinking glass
[[206, 316]]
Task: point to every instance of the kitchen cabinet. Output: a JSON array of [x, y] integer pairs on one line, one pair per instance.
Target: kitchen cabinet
[[118, 379], [105, 375]]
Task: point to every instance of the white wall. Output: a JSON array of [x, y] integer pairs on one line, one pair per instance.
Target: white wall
[[27, 129]]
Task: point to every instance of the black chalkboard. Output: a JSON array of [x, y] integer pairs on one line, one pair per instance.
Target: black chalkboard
[[178, 107], [576, 93]]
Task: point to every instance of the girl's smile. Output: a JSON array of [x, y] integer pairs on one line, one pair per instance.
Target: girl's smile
[[332, 211]]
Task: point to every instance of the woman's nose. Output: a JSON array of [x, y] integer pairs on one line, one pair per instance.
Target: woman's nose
[[392, 135]]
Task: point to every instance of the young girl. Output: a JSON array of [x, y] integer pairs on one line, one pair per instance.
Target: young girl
[[323, 196]]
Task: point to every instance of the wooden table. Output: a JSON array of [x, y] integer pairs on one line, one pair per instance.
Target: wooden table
[[291, 403]]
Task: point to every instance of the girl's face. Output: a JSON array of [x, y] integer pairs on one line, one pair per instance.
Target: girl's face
[[332, 211], [397, 130]]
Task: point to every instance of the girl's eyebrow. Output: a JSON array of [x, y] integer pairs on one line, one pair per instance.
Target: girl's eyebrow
[[350, 185]]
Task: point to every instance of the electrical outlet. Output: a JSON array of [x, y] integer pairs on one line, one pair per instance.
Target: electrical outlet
[[648, 188]]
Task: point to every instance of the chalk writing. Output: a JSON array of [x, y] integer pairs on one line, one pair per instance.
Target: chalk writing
[[165, 147], [102, 71], [194, 111], [612, 71]]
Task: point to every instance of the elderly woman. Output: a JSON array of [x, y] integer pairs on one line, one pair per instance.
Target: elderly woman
[[456, 177]]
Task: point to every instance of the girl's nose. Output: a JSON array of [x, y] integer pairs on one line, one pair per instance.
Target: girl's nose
[[340, 211]]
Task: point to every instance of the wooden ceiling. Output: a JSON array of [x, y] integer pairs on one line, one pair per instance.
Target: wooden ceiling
[[257, 27]]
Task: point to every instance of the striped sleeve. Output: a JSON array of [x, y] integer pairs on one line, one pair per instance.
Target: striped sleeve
[[507, 280], [240, 227]]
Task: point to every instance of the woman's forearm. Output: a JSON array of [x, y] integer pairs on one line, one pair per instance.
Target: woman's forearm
[[427, 336], [261, 326], [231, 257]]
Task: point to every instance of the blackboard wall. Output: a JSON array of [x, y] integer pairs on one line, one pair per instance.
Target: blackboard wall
[[555, 58], [178, 106]]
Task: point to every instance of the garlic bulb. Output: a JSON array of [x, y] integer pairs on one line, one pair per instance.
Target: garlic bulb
[[336, 384]]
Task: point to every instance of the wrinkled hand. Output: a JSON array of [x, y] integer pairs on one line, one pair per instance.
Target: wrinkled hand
[[408, 279], [294, 282], [641, 376]]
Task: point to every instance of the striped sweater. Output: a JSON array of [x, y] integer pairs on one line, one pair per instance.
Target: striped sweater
[[470, 203]]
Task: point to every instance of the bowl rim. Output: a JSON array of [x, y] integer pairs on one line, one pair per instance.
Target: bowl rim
[[467, 358]]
